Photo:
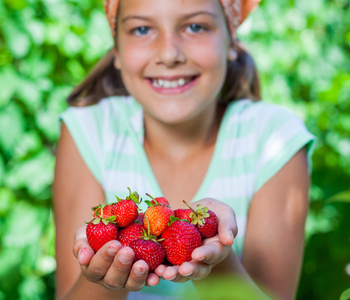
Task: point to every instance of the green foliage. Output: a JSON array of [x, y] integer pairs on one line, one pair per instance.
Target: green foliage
[[302, 51], [345, 295]]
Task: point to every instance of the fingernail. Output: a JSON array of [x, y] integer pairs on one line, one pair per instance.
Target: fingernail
[[201, 259], [172, 278], [112, 251], [189, 274], [140, 272], [125, 260]]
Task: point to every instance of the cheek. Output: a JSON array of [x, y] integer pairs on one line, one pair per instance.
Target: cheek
[[210, 57], [132, 59]]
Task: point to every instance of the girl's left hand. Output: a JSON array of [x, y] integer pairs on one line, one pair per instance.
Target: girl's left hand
[[213, 251]]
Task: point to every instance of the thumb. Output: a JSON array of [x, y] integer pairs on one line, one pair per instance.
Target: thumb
[[227, 229]]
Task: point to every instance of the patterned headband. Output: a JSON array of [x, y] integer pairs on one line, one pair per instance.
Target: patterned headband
[[235, 10]]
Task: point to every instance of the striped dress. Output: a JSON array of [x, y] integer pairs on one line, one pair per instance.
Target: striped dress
[[255, 141]]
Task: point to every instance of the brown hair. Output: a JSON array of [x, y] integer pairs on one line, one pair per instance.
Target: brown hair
[[242, 81]]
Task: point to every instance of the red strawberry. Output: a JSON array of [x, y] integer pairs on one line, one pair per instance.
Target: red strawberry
[[148, 249], [104, 210], [130, 233], [180, 239], [140, 218], [209, 227], [99, 231], [183, 214], [159, 200], [126, 210], [158, 216], [205, 220]]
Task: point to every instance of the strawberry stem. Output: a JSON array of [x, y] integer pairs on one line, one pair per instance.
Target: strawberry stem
[[148, 227], [189, 207]]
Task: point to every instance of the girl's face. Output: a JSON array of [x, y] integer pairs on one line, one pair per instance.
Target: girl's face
[[172, 55]]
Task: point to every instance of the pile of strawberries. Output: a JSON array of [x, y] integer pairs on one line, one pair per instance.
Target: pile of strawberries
[[160, 235]]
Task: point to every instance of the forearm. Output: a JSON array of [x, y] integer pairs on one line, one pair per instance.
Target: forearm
[[231, 278], [84, 289]]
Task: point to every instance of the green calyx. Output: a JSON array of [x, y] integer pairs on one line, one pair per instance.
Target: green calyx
[[106, 221], [199, 215], [156, 203], [98, 210], [134, 196], [147, 236]]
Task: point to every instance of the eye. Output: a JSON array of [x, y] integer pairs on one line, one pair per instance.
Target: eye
[[195, 28], [142, 30]]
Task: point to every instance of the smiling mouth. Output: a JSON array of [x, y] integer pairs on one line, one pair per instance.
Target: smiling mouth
[[171, 84]]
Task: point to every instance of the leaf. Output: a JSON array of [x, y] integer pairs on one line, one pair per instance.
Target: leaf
[[7, 200], [47, 121], [30, 143], [2, 171], [340, 197], [345, 295], [24, 225], [8, 78], [17, 41], [29, 94], [12, 119], [31, 288], [37, 31], [34, 174]]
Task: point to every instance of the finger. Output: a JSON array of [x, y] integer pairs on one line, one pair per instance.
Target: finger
[[152, 279], [138, 276], [119, 270], [171, 273], [81, 247], [101, 261], [211, 253], [227, 228], [85, 254], [159, 271], [194, 270]]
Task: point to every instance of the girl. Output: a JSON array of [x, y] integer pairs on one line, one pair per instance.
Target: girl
[[190, 129]]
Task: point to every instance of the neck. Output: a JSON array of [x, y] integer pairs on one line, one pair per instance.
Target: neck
[[180, 141]]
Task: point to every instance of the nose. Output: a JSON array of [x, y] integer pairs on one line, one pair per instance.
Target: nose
[[170, 50]]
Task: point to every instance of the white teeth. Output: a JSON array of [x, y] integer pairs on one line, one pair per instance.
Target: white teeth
[[166, 84], [169, 83], [181, 82]]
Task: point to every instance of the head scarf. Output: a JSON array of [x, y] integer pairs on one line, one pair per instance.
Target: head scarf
[[236, 12]]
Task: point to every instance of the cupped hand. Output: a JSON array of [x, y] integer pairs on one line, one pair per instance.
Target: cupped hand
[[111, 266], [213, 251]]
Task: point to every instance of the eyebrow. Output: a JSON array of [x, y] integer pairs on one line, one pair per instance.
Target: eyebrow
[[188, 16]]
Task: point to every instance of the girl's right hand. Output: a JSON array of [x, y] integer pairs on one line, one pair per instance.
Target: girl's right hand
[[112, 266]]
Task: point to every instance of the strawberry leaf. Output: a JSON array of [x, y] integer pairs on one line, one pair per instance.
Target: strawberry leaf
[[172, 220], [149, 203], [118, 199], [96, 221], [111, 219]]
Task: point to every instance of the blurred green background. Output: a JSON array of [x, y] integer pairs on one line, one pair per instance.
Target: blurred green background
[[302, 49]]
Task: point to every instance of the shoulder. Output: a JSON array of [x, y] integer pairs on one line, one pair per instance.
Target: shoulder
[[262, 118], [103, 107], [107, 112], [249, 110]]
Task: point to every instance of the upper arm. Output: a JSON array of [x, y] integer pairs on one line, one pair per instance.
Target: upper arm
[[75, 191], [274, 241]]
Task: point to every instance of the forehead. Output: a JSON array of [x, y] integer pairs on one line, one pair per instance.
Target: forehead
[[171, 7]]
